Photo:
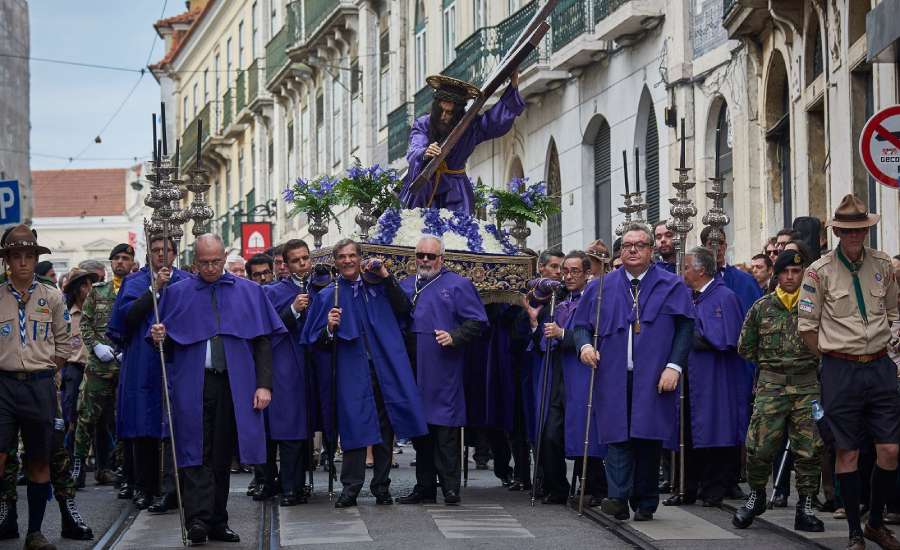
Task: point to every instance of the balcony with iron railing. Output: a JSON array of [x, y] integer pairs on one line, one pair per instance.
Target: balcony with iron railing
[[509, 29], [227, 109], [253, 76], [276, 51], [315, 13], [398, 132], [422, 101], [625, 21], [240, 92], [189, 137], [475, 57]]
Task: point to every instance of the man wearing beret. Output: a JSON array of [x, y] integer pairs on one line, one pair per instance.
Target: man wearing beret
[[785, 390], [97, 401]]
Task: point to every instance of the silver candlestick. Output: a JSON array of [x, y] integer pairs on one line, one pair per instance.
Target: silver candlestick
[[716, 218]]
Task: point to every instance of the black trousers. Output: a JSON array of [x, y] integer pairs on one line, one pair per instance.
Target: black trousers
[[353, 468], [437, 458], [500, 448], [595, 476], [518, 439], [206, 486], [553, 450]]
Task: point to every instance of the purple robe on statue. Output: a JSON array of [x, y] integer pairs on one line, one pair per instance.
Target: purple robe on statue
[[719, 401], [244, 313], [576, 381], [442, 304], [662, 297], [455, 190], [287, 413]]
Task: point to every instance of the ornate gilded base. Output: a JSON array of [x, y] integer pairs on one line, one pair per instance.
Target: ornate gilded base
[[498, 278]]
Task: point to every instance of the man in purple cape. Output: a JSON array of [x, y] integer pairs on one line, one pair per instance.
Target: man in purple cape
[[565, 404], [447, 315], [139, 420], [450, 187], [376, 394], [646, 328], [218, 330], [288, 416], [717, 403]]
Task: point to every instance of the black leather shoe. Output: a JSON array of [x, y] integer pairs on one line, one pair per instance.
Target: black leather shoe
[[345, 501], [779, 501], [251, 487], [73, 526], [451, 497], [264, 491], [384, 498], [105, 477], [506, 481], [9, 520], [292, 499], [163, 504], [805, 518], [616, 508], [755, 506], [417, 497], [595, 501], [665, 486], [554, 499], [141, 500], [223, 533], [677, 500], [519, 485], [643, 515], [125, 492], [197, 533]]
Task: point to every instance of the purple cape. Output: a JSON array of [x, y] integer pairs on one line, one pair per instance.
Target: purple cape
[[455, 192], [139, 402], [489, 378], [244, 313], [576, 383], [443, 304], [747, 291], [719, 401], [357, 415], [287, 413], [663, 296]]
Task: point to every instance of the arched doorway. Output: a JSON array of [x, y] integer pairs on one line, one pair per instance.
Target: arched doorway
[[778, 139], [554, 189], [646, 139], [598, 158]]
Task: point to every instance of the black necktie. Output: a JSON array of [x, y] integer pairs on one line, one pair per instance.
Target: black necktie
[[217, 348], [634, 287], [697, 294]]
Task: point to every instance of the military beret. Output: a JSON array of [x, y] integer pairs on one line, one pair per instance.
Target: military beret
[[786, 259], [120, 248]]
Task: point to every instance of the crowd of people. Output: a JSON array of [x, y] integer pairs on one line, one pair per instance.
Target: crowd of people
[[704, 375]]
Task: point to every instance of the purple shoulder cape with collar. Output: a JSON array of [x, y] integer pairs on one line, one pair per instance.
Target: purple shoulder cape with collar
[[443, 304], [139, 402], [455, 192], [719, 399], [287, 414], [244, 313], [663, 296], [369, 316]]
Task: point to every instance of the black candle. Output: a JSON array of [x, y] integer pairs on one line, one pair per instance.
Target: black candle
[[177, 156], [637, 171], [682, 145], [155, 151], [165, 147], [199, 137], [718, 146], [625, 168]]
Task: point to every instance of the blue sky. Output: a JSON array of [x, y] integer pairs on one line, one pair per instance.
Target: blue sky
[[69, 105]]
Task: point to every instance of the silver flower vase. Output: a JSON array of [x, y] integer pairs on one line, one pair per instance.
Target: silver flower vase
[[318, 226], [520, 232], [365, 220]]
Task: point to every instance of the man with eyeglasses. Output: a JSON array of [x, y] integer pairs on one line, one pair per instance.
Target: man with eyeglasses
[[376, 393], [447, 315], [260, 269], [785, 236], [218, 331], [848, 301], [646, 332], [140, 402]]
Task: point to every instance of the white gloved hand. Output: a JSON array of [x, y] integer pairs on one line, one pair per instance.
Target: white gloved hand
[[104, 353], [119, 356]]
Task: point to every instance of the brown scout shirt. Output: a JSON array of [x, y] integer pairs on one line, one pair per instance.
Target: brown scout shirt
[[79, 352], [48, 330], [828, 303]]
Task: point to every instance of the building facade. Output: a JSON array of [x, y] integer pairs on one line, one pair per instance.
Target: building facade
[[312, 85]]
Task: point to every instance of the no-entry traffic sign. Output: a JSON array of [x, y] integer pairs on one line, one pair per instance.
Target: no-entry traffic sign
[[879, 146]]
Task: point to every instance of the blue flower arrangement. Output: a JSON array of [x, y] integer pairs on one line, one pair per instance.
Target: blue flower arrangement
[[315, 198]]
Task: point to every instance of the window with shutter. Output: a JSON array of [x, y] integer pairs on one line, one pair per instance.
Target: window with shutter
[[554, 189], [651, 167], [603, 184]]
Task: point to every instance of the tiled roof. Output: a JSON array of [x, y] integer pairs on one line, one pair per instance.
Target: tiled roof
[[89, 192], [179, 37]]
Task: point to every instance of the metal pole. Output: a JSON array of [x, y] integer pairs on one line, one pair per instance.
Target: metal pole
[[787, 451], [590, 399], [332, 471], [545, 381]]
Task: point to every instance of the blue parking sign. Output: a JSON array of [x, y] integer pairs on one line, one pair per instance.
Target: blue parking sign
[[10, 205]]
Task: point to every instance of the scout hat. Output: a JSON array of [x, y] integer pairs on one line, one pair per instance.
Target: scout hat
[[447, 88], [76, 275], [21, 237], [853, 214], [598, 250], [120, 249], [786, 259]]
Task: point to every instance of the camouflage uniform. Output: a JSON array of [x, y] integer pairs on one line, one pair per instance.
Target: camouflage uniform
[[785, 390], [97, 401]]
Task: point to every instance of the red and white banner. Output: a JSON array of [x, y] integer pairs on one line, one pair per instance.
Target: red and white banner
[[256, 238]]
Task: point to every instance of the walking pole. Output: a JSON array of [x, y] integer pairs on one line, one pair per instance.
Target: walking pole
[[464, 455], [545, 381], [590, 399], [165, 380], [332, 472], [787, 450]]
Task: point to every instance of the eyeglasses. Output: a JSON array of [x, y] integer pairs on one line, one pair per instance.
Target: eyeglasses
[[260, 274], [635, 246], [573, 272], [772, 252], [427, 256], [210, 264]]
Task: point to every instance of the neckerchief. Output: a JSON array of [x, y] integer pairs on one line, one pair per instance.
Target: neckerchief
[[117, 284], [853, 268], [788, 299], [22, 300]]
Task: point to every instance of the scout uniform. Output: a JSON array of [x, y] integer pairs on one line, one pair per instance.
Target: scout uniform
[[851, 305], [786, 387]]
